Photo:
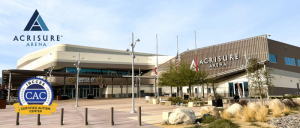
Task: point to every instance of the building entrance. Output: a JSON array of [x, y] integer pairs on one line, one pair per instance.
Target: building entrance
[[96, 92], [83, 92], [240, 88], [73, 93]]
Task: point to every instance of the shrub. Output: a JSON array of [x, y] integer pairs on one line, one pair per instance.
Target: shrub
[[238, 115], [276, 111], [171, 99], [248, 114], [208, 119], [225, 114], [243, 102], [196, 126], [218, 97], [222, 123], [286, 111], [197, 99], [262, 113], [177, 99]]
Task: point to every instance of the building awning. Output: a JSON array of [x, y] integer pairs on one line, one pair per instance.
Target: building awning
[[228, 73], [19, 76]]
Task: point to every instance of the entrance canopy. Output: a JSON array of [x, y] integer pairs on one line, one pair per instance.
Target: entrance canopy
[[19, 76]]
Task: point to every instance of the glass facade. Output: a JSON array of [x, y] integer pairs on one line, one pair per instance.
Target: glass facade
[[100, 71], [290, 61], [83, 91], [234, 88], [298, 62], [273, 58]]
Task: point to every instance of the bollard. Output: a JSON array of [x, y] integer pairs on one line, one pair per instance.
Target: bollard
[[140, 116], [17, 119], [38, 119], [62, 116], [112, 116], [86, 116]]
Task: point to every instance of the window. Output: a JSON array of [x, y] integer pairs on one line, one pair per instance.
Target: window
[[290, 61], [273, 58], [209, 90], [298, 62]]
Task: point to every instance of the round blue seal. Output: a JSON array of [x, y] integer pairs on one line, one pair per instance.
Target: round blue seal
[[35, 91]]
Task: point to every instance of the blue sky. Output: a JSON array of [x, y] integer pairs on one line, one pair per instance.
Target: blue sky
[[109, 23]]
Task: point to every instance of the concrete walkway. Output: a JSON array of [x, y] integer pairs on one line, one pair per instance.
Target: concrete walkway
[[98, 114]]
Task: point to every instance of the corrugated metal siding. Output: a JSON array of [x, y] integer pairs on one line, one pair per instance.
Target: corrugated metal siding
[[256, 47]]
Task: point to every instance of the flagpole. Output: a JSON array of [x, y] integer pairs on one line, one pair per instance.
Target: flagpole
[[196, 62], [177, 62], [157, 64]]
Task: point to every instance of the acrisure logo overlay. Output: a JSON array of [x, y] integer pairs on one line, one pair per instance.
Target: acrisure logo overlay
[[37, 24], [35, 96]]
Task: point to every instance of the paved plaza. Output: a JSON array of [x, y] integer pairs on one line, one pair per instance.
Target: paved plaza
[[98, 114]]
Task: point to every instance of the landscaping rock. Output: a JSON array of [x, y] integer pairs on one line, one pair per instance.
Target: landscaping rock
[[204, 110], [254, 106], [288, 102], [214, 112], [291, 121], [182, 115], [233, 109], [276, 102]]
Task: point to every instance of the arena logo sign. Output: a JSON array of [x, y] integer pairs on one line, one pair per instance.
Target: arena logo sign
[[219, 61], [36, 23], [35, 96]]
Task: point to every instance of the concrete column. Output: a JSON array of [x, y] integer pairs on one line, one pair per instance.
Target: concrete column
[[112, 87], [64, 85], [243, 89], [171, 91], [233, 89], [127, 87], [90, 86], [9, 84], [207, 90]]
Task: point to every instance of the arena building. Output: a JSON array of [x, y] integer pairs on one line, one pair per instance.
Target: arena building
[[226, 61]]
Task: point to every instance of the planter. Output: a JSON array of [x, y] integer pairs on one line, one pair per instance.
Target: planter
[[64, 97], [217, 103], [90, 96]]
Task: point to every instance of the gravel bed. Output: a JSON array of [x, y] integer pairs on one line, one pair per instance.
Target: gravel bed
[[290, 121]]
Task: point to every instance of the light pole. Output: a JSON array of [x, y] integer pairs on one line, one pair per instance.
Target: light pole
[[50, 73], [140, 83], [132, 55], [78, 70]]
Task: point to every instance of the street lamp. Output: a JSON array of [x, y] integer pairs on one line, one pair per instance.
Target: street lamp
[[133, 56], [140, 73], [78, 70], [50, 73]]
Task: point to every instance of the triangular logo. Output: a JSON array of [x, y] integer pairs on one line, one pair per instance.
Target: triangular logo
[[36, 23]]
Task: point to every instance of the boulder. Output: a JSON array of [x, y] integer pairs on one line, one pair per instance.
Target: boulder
[[234, 108], [253, 106], [214, 111], [276, 102], [182, 115], [204, 110], [288, 102]]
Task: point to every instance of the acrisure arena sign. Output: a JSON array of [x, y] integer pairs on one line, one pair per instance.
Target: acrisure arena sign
[[219, 61]]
